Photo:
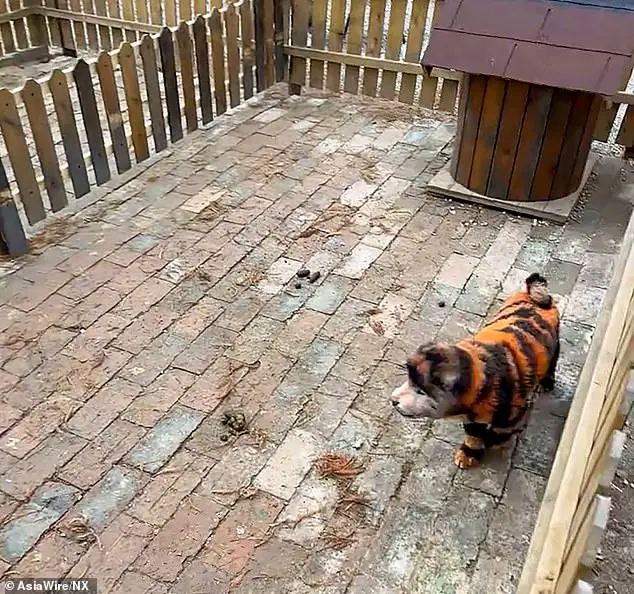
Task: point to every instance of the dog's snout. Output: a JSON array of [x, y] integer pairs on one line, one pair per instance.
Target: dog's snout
[[394, 402]]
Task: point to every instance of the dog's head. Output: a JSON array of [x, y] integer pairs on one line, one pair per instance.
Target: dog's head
[[435, 381]]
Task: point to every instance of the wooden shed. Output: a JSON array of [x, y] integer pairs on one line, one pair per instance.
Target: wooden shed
[[534, 76]]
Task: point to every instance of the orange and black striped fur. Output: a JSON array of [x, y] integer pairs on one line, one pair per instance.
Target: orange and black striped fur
[[490, 378]]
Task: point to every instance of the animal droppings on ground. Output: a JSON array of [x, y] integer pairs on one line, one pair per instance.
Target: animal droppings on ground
[[303, 273], [235, 421], [314, 277]]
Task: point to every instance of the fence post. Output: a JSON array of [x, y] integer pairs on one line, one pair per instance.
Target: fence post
[[12, 238], [36, 24], [281, 16]]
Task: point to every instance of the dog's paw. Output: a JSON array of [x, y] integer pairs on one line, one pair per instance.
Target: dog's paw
[[548, 384], [464, 461]]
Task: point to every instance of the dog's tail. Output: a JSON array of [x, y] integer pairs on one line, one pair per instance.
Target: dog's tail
[[537, 289]]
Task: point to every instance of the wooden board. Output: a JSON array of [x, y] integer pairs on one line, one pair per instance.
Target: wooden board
[[430, 83], [12, 237], [78, 26], [127, 13], [558, 211], [373, 47], [218, 61], [92, 38], [184, 10], [202, 68], [58, 86], [355, 36], [6, 33], [473, 106], [20, 158], [67, 42], [507, 141], [233, 54], [40, 127], [92, 124], [155, 12], [150, 74], [258, 19], [170, 84], [247, 34], [318, 40], [268, 14], [281, 16], [169, 12], [117, 33], [413, 50], [585, 143], [128, 64], [335, 43], [183, 37], [19, 26], [395, 40], [104, 32], [142, 15], [528, 149], [487, 134], [626, 133], [110, 98]]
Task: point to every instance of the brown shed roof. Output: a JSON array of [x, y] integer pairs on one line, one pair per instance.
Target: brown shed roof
[[586, 45]]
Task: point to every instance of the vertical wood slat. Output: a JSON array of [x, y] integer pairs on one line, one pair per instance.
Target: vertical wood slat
[[299, 36], [12, 237], [20, 158], [6, 32], [218, 61], [183, 37], [91, 30], [153, 90], [67, 40], [156, 17], [202, 66], [528, 150], [258, 10], [127, 62], [572, 142], [110, 96], [22, 41], [477, 86], [115, 13], [448, 95], [487, 134], [281, 17], [78, 26], [127, 13], [45, 147], [581, 158], [58, 86], [394, 43], [462, 114], [92, 122], [170, 83], [36, 25], [551, 146], [53, 27], [269, 43], [430, 84], [247, 33], [200, 7], [233, 54], [169, 6], [508, 138], [142, 15], [373, 48], [626, 133], [184, 10], [104, 32], [318, 41], [335, 43], [355, 33]]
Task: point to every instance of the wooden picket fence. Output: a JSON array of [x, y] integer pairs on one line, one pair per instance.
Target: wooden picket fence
[[171, 83], [575, 508]]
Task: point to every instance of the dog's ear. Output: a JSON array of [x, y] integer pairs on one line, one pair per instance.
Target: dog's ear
[[444, 366]]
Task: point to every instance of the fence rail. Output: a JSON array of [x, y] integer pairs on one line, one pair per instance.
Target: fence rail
[[576, 505]]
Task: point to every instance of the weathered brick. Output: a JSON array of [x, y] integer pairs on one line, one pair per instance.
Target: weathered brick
[[158, 446], [238, 314], [538, 444], [299, 332], [105, 450], [344, 325], [358, 261], [90, 280], [110, 496], [198, 318], [23, 477], [456, 270], [9, 415], [360, 358], [139, 584], [182, 536], [146, 294], [330, 295], [144, 329], [255, 340], [585, 304], [49, 503], [91, 342]]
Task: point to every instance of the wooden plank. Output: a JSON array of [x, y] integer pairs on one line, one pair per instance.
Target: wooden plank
[[202, 67], [92, 123], [183, 37], [127, 13], [508, 139], [626, 133], [116, 32], [584, 145], [12, 237], [58, 86], [110, 98], [532, 137], [477, 87], [156, 16], [281, 17], [78, 25], [318, 41], [355, 35], [552, 550], [127, 62], [218, 61], [487, 134], [395, 40], [36, 24], [67, 42], [92, 38], [19, 27], [268, 16], [335, 43], [169, 13], [247, 34], [462, 113], [233, 54], [572, 141], [200, 7], [184, 10], [6, 32], [373, 46], [448, 95], [142, 15], [45, 147], [170, 84], [104, 32], [258, 19], [20, 158], [612, 459], [430, 83], [153, 90]]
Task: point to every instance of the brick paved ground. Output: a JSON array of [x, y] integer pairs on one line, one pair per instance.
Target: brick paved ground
[[158, 309]]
